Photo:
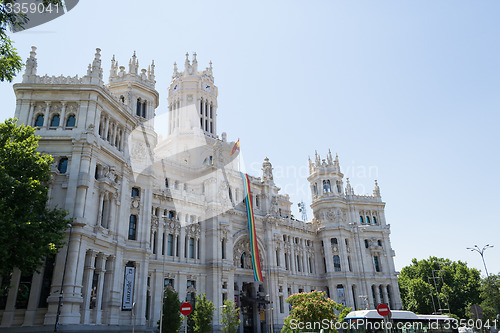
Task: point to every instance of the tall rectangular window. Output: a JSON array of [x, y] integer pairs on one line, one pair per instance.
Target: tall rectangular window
[[170, 245], [377, 263], [191, 248], [336, 263], [132, 227]]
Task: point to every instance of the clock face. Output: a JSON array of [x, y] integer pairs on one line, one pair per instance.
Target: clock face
[[207, 87]]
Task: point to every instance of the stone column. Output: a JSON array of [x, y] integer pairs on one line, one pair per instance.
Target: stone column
[[46, 115], [100, 270], [106, 127], [384, 293], [99, 210], [34, 298], [62, 123], [31, 111], [8, 313], [88, 275], [107, 290], [377, 294]]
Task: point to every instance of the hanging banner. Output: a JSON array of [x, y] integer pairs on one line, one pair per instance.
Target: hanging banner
[[128, 288], [254, 248]]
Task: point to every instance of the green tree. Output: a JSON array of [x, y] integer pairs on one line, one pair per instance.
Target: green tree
[[172, 319], [311, 308], [455, 284], [490, 295], [10, 62], [29, 231], [230, 318], [203, 314]]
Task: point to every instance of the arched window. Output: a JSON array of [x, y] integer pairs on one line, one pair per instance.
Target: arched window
[[122, 99], [361, 219], [379, 242], [55, 120], [368, 219], [63, 165], [374, 220], [336, 263], [339, 188], [242, 260], [39, 121], [230, 194], [334, 241], [71, 121], [315, 189], [166, 182], [132, 227], [326, 186], [366, 243]]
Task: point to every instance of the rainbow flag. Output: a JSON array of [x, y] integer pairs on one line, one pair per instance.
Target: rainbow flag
[[235, 147], [254, 248]]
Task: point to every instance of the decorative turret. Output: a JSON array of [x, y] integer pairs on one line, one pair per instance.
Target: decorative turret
[[325, 176], [134, 89], [267, 172], [321, 165], [145, 77], [31, 66], [192, 99]]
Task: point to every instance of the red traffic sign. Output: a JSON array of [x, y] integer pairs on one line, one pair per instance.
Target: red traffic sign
[[383, 310], [186, 308]]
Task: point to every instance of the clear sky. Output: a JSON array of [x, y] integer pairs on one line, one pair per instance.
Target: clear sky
[[406, 92]]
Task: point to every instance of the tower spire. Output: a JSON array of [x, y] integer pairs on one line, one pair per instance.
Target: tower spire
[[329, 157], [349, 190], [114, 68], [31, 65], [376, 190], [133, 64]]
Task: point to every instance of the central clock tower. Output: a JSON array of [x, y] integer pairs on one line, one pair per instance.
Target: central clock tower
[[192, 100]]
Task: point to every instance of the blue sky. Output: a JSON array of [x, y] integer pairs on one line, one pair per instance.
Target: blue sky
[[406, 92]]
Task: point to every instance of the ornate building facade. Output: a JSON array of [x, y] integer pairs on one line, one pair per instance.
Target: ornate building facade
[[152, 213]]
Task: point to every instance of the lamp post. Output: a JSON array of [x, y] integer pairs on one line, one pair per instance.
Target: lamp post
[[163, 276], [59, 305], [481, 252]]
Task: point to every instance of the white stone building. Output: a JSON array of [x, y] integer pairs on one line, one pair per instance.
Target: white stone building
[[149, 213]]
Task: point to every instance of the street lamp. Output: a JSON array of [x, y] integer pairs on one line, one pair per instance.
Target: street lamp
[[481, 252], [59, 305], [163, 275]]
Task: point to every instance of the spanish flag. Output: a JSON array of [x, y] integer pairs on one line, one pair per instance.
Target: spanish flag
[[235, 147]]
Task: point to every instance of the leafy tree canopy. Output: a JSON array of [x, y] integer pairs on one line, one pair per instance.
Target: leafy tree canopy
[[29, 231], [490, 294], [311, 308], [203, 314], [230, 318], [454, 284], [172, 319]]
